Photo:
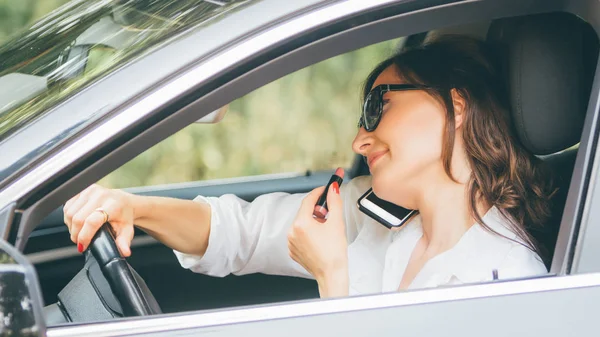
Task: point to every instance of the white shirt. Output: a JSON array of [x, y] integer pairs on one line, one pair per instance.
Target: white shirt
[[252, 237]]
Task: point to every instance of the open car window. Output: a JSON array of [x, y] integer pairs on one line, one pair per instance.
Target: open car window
[[301, 123]]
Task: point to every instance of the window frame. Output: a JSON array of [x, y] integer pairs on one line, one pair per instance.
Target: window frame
[[586, 252]]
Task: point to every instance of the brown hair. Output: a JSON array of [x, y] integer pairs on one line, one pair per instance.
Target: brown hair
[[504, 173]]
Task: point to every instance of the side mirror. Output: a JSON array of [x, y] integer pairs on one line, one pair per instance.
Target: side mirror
[[214, 117], [20, 297]]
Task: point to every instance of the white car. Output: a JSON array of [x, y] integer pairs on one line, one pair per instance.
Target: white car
[[97, 82]]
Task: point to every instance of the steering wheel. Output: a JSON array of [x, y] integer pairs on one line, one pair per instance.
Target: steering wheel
[[127, 286]]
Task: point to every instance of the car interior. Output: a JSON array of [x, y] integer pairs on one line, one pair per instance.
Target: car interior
[[549, 62]]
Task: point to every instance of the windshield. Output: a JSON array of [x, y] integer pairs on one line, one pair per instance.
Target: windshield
[[83, 41]]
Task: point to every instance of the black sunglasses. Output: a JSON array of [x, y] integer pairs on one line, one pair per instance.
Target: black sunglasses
[[373, 106]]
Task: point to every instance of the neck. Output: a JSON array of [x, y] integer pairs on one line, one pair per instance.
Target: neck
[[445, 214]]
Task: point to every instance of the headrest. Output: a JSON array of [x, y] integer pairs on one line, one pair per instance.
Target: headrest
[[549, 62]]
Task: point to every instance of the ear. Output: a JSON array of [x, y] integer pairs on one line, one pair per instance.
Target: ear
[[459, 104]]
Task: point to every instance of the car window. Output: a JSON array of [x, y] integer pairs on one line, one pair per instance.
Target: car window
[[83, 41], [305, 121]]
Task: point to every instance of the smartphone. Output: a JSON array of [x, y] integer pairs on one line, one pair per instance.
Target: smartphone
[[390, 215]]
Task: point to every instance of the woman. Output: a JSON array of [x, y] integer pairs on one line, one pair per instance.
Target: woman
[[437, 138]]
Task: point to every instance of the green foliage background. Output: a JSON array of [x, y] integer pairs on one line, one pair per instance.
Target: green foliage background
[[303, 121], [18, 14]]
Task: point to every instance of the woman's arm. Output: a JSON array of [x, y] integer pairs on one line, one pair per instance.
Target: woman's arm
[[182, 225], [215, 236], [248, 237]]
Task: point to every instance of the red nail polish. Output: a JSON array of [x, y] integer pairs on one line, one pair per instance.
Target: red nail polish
[[321, 210], [336, 187], [80, 247]]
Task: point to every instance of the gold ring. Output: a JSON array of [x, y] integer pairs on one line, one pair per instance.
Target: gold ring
[[103, 212]]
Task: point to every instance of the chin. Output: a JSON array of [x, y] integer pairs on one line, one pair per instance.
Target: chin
[[382, 189], [387, 189]]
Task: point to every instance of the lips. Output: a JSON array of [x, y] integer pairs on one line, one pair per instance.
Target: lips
[[374, 156]]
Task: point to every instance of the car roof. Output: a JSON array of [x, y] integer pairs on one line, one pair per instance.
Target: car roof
[[51, 127]]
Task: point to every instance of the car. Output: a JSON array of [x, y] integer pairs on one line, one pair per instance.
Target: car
[[69, 117]]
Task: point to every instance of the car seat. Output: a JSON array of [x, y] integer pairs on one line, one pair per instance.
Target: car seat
[[549, 62]]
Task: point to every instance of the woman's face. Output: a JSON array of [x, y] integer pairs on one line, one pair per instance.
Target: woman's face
[[404, 151]]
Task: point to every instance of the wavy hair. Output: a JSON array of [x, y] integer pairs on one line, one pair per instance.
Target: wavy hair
[[503, 172]]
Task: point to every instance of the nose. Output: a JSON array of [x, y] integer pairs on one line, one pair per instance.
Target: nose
[[362, 141]]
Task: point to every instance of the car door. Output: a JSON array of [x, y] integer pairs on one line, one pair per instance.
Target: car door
[[542, 307], [453, 307]]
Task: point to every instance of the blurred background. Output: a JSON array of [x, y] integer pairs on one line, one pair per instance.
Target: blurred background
[[303, 121]]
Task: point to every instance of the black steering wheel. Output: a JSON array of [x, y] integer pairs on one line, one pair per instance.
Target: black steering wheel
[[127, 286]]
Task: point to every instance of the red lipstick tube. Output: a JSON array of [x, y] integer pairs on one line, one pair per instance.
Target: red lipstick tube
[[321, 209]]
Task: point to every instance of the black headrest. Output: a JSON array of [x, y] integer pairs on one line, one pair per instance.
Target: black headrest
[[549, 62]]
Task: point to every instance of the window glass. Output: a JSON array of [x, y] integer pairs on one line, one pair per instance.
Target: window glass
[[304, 121], [98, 57], [43, 64]]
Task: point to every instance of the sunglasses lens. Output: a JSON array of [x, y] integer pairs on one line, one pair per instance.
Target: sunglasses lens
[[371, 111]]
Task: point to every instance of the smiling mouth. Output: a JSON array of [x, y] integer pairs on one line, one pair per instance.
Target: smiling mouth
[[375, 158]]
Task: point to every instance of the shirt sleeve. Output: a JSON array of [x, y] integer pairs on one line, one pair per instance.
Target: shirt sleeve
[[250, 237]]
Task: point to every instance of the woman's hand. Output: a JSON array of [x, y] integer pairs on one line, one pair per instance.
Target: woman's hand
[[321, 247], [83, 219]]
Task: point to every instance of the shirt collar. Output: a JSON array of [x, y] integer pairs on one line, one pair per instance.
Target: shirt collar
[[478, 252]]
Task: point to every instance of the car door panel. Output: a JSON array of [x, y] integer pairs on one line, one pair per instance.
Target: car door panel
[[567, 312], [176, 289], [546, 306]]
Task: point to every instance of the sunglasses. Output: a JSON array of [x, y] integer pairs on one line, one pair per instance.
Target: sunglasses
[[373, 106]]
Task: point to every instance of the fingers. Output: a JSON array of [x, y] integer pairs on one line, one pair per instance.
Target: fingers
[[334, 202], [123, 240], [312, 197], [79, 219], [92, 224], [66, 216], [73, 206], [83, 219], [70, 201]]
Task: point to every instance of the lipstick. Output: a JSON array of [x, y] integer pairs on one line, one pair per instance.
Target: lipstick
[[320, 211]]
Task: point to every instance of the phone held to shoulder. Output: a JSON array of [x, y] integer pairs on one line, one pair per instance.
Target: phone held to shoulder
[[390, 215]]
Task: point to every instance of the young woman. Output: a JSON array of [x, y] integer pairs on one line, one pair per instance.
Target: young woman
[[436, 135]]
